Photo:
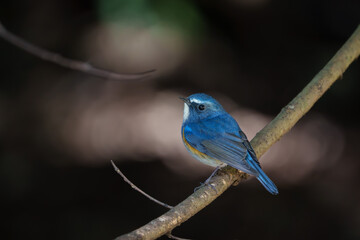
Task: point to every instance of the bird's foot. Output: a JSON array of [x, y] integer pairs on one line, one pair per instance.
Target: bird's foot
[[206, 183]]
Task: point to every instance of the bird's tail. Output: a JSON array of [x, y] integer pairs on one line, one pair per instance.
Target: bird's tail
[[263, 178], [267, 183]]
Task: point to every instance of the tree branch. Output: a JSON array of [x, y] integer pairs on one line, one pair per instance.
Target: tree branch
[[66, 62], [271, 133], [138, 189]]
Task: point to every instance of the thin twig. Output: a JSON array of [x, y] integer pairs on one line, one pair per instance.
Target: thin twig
[[66, 62], [138, 189], [169, 235], [279, 126]]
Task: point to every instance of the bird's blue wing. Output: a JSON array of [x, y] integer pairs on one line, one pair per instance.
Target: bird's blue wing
[[220, 138], [249, 147], [230, 150]]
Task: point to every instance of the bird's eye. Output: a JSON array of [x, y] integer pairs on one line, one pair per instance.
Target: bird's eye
[[201, 107]]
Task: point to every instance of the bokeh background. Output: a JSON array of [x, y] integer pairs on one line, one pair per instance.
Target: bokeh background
[[60, 128]]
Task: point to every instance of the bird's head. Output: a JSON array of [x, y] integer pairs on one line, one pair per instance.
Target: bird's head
[[200, 106]]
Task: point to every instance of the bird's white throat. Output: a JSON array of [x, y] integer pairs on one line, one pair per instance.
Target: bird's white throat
[[186, 112]]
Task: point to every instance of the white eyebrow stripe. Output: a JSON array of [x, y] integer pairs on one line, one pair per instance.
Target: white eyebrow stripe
[[199, 102], [196, 101]]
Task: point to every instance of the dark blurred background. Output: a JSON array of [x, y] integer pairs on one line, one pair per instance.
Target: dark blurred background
[[60, 128]]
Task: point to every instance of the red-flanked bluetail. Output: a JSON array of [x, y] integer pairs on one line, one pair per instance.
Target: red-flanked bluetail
[[213, 137]]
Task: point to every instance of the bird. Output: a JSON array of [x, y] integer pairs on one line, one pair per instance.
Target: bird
[[212, 136]]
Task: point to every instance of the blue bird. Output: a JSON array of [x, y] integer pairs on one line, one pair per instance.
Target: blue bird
[[214, 138]]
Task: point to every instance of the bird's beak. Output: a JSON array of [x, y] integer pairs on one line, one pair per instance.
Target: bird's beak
[[187, 101]]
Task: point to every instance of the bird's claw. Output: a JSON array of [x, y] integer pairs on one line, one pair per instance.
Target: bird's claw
[[198, 187], [206, 183]]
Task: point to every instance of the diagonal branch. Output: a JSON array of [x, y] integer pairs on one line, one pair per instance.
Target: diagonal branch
[[66, 62], [271, 133], [138, 189]]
